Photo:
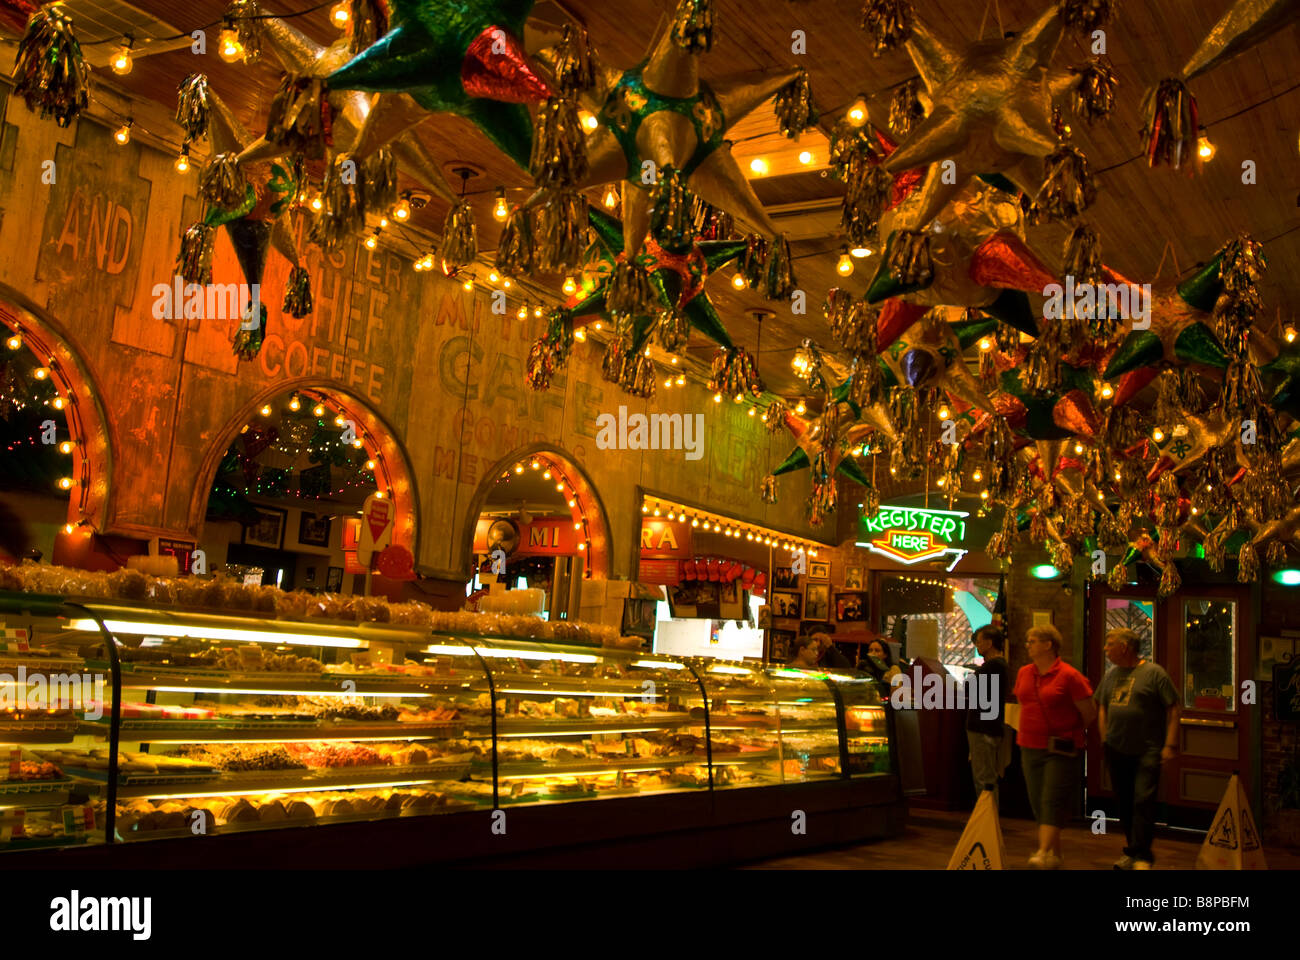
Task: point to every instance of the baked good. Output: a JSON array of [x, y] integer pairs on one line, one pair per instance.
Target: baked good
[[272, 810], [298, 810], [240, 811]]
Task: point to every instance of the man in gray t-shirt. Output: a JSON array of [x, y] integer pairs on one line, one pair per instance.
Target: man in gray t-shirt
[[1137, 717]]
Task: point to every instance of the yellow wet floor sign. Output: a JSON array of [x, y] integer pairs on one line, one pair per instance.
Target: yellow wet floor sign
[[980, 846], [1233, 840]]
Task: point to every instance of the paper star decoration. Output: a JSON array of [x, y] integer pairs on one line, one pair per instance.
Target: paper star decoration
[[841, 426], [392, 113], [457, 56], [991, 115]]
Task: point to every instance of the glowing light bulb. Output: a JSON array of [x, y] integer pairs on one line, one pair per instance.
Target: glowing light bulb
[[372, 241], [121, 62], [535, 465], [402, 209], [858, 112], [522, 312], [751, 411], [579, 334], [859, 253], [800, 408], [295, 404], [499, 209], [845, 265], [1078, 448], [986, 344], [681, 380], [370, 465], [15, 342], [1157, 435], [805, 157], [695, 522], [944, 412], [123, 134], [340, 14], [537, 312], [519, 468], [588, 119], [340, 421], [68, 528], [1290, 333], [574, 503], [582, 546], [66, 446], [739, 281], [505, 283], [40, 373], [182, 163], [317, 204], [977, 476], [668, 382], [266, 410], [1205, 148], [65, 483], [319, 410], [758, 167], [229, 48], [717, 398], [597, 325], [984, 494]]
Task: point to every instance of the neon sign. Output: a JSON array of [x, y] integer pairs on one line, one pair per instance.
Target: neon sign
[[913, 535]]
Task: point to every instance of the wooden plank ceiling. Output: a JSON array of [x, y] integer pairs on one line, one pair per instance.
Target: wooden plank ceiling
[[1145, 217]]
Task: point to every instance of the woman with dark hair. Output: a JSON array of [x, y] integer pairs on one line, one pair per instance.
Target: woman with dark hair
[[879, 661], [1055, 709]]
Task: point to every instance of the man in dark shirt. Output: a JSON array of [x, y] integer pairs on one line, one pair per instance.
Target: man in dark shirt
[[830, 658], [984, 732], [1137, 717]]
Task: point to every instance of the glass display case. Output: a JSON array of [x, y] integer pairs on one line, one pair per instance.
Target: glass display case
[[196, 723]]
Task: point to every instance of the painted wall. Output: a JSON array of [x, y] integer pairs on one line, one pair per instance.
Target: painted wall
[[81, 256]]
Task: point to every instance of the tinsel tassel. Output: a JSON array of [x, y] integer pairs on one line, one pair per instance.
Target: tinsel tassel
[[1172, 125], [1118, 577], [1068, 188], [1275, 555], [222, 183], [909, 258], [1167, 508], [693, 25], [297, 118], [768, 489], [672, 331], [753, 260], [780, 270], [1247, 563], [1166, 543], [670, 209], [1093, 96], [1086, 16], [1038, 526], [194, 261], [541, 365], [734, 373], [889, 23], [1215, 555], [821, 500], [459, 236], [868, 190], [574, 70], [561, 231], [516, 252], [369, 22], [611, 365], [774, 417], [794, 108], [1170, 581], [628, 292], [854, 329], [379, 171], [1061, 556], [343, 205], [559, 157], [1237, 309], [248, 343], [245, 14], [50, 73], [194, 106], [1083, 255], [297, 293], [637, 377], [1110, 535], [870, 501], [905, 108]]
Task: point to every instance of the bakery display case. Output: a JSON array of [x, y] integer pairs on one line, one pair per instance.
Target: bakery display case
[[192, 723]]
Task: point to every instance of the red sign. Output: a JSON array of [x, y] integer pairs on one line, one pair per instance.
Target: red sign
[[665, 538], [659, 571], [551, 537], [378, 517]]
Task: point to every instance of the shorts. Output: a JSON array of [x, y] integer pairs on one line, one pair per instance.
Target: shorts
[[1053, 782]]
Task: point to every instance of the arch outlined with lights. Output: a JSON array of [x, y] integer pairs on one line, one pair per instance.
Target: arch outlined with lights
[[91, 463], [393, 474]]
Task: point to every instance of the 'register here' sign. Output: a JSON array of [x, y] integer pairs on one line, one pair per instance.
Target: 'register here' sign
[[914, 535]]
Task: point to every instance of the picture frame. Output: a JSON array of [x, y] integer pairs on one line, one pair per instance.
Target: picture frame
[[314, 529], [779, 645], [765, 617], [819, 570], [853, 577], [269, 530], [334, 580], [817, 600], [786, 603], [783, 578], [639, 618], [851, 606]]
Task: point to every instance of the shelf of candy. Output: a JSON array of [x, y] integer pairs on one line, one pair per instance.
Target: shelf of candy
[[142, 818], [25, 774], [25, 828]]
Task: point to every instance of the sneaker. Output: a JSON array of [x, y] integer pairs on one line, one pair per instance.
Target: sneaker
[[1125, 863], [1045, 860], [1142, 865]]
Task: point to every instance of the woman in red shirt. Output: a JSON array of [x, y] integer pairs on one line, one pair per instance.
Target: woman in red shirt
[[1055, 709]]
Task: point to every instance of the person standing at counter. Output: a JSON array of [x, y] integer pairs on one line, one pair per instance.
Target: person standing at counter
[[1055, 709], [985, 734]]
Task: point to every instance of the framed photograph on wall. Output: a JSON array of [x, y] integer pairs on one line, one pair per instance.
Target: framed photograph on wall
[[779, 645], [853, 578], [268, 531], [765, 617], [334, 580], [314, 529], [819, 570], [783, 578], [786, 604], [851, 606], [817, 600]]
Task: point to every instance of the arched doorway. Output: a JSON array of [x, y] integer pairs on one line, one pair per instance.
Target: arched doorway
[[54, 440], [283, 488]]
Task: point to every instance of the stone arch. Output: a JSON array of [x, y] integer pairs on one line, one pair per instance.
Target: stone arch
[[590, 508], [92, 432], [393, 471]]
